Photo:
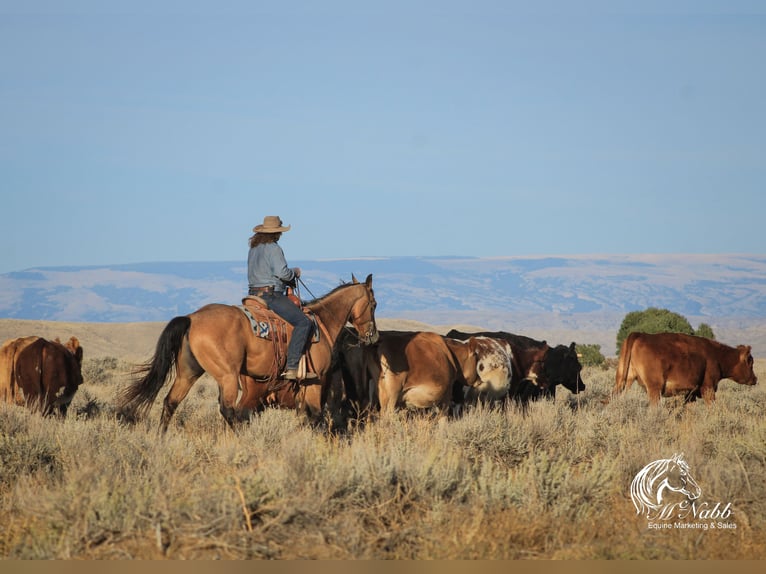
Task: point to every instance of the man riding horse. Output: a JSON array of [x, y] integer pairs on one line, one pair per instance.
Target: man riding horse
[[268, 277], [219, 339]]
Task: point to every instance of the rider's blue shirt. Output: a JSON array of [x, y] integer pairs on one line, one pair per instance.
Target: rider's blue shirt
[[267, 267]]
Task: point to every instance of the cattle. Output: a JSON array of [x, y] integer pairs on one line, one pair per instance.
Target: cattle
[[668, 364], [546, 366], [528, 359], [561, 367], [43, 375], [487, 364], [421, 370], [10, 391]]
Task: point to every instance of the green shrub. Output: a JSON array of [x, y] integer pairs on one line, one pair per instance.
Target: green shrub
[[590, 355], [654, 320], [705, 330]]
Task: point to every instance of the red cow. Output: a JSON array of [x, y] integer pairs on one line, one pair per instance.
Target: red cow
[[668, 364], [39, 373]]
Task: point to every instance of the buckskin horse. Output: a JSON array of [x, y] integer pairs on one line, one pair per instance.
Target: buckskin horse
[[219, 339]]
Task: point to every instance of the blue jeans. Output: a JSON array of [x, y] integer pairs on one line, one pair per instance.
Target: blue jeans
[[302, 326]]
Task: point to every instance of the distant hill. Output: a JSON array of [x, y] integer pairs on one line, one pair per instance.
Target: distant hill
[[584, 297]]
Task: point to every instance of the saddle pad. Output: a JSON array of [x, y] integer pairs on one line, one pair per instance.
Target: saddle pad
[[261, 328]]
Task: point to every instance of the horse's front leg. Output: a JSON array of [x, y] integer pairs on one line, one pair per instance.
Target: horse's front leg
[[308, 402]]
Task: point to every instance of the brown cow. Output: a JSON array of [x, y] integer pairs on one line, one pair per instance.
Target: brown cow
[[10, 392], [668, 364], [421, 370], [39, 373]]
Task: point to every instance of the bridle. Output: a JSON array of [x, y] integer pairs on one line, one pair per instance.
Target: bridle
[[370, 335]]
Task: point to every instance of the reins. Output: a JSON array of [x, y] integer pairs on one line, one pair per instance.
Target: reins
[[306, 286], [297, 292]]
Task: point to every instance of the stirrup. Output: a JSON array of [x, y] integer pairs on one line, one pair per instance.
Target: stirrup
[[289, 375]]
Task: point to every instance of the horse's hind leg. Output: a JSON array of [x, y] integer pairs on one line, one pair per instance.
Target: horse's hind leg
[[177, 393], [188, 371], [251, 397], [228, 391]]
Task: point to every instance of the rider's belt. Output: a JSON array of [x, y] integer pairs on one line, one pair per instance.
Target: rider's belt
[[262, 290]]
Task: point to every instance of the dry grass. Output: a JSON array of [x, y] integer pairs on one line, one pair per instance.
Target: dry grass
[[553, 483]]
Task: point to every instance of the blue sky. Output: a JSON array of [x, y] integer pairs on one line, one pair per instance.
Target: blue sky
[[163, 131]]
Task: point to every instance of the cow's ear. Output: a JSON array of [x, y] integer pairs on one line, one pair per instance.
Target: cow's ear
[[78, 355], [73, 344], [572, 346], [474, 347]]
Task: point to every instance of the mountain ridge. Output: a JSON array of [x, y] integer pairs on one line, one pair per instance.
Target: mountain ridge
[[570, 294]]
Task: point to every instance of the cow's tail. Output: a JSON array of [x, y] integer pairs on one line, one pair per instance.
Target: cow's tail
[[623, 365], [9, 384], [136, 399]]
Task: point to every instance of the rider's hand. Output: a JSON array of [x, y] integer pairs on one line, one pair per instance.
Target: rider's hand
[[297, 271]]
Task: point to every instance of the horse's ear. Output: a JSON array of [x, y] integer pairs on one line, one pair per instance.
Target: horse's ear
[[368, 281], [353, 279]]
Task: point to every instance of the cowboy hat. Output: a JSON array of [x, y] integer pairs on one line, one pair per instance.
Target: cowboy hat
[[271, 224]]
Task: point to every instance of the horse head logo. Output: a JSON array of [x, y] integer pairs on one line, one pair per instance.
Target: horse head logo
[[653, 487]]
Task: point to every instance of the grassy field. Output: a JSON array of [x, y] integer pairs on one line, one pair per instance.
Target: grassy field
[[494, 484]]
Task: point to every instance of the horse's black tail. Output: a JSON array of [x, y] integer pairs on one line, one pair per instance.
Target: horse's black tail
[[136, 400]]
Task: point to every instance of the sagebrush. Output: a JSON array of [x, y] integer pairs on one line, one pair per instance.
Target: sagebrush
[[497, 483]]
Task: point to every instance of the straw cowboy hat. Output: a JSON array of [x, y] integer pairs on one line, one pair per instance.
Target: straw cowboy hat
[[271, 224]]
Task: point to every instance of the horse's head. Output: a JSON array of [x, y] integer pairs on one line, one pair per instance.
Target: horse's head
[[363, 312]]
